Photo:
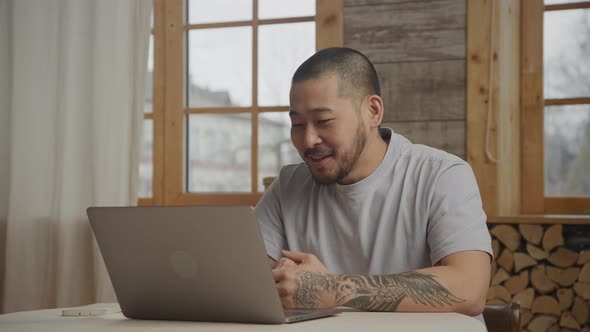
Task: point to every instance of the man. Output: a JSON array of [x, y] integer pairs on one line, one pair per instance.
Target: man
[[370, 220]]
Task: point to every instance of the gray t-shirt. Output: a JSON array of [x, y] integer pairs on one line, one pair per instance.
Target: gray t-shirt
[[420, 205]]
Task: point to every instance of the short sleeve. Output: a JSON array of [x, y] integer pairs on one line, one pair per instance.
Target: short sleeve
[[457, 221], [270, 221]]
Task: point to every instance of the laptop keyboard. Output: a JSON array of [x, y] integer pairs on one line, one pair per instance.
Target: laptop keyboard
[[297, 312]]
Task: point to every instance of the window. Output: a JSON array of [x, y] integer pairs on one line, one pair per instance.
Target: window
[[528, 135], [146, 168], [563, 118], [221, 80]]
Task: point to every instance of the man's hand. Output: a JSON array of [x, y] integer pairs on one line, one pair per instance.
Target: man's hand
[[304, 282]]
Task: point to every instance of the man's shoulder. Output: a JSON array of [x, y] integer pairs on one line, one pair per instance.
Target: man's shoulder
[[296, 170], [424, 154], [293, 181], [294, 174]]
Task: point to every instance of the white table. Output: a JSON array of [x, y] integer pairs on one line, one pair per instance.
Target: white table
[[350, 320]]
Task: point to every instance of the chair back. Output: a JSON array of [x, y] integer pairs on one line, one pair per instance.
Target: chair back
[[267, 181], [502, 317]]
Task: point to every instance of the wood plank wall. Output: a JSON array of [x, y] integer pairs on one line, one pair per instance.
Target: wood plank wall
[[419, 50]]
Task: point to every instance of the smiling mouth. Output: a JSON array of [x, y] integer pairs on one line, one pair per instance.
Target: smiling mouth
[[319, 158]]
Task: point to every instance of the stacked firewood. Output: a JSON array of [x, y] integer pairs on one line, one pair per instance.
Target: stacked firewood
[[551, 282]]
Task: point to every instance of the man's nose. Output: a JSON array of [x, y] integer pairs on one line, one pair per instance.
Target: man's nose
[[312, 137]]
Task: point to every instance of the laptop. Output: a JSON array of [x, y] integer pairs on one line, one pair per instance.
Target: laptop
[[191, 263]]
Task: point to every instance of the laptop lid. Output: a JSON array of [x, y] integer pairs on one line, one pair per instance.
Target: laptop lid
[[188, 263]]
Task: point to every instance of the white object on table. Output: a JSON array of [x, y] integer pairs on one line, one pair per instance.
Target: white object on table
[[96, 309]]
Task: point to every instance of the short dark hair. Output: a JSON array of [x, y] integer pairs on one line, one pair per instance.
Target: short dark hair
[[356, 74]]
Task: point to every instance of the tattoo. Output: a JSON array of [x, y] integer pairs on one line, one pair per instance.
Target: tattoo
[[385, 293], [372, 293], [310, 286]]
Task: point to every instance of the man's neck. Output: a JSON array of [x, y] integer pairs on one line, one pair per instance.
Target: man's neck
[[369, 160]]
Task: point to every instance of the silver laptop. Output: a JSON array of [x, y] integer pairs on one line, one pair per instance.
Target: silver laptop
[[190, 263]]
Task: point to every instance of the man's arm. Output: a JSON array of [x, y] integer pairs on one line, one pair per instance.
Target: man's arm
[[458, 284]]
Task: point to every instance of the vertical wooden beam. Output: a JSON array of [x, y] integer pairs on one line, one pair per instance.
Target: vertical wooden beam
[[174, 101], [497, 165], [478, 43], [329, 20], [507, 106], [531, 85]]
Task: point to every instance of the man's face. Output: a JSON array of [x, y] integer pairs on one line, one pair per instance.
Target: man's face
[[327, 130]]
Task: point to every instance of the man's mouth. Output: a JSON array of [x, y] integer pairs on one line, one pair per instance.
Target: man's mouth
[[319, 157]]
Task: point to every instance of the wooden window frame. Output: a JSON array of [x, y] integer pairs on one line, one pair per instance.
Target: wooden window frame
[[534, 102], [514, 186], [169, 110]]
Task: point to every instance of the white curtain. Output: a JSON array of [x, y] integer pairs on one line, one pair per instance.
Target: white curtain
[[69, 138], [5, 99]]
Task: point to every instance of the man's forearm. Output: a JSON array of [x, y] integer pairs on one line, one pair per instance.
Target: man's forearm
[[374, 293], [457, 283]]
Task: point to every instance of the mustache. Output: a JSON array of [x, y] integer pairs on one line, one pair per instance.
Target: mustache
[[317, 150]]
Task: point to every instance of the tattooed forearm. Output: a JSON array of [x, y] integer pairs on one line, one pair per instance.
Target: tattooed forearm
[[373, 293], [311, 286], [385, 293]]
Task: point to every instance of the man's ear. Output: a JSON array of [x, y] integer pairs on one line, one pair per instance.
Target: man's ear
[[375, 104]]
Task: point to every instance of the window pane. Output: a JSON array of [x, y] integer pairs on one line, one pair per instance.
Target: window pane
[[566, 48], [282, 48], [148, 104], [207, 11], [145, 159], [150, 63], [274, 145], [219, 153], [220, 67], [285, 8], [567, 150]]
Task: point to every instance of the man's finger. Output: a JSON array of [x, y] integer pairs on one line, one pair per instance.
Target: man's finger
[[287, 301], [283, 292], [285, 262], [297, 257], [285, 288], [279, 275]]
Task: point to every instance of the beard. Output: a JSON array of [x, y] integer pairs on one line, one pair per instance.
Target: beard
[[345, 160]]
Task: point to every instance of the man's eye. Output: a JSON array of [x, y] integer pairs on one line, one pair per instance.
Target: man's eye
[[325, 121]]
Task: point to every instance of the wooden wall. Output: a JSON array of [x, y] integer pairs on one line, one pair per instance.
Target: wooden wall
[[418, 48]]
